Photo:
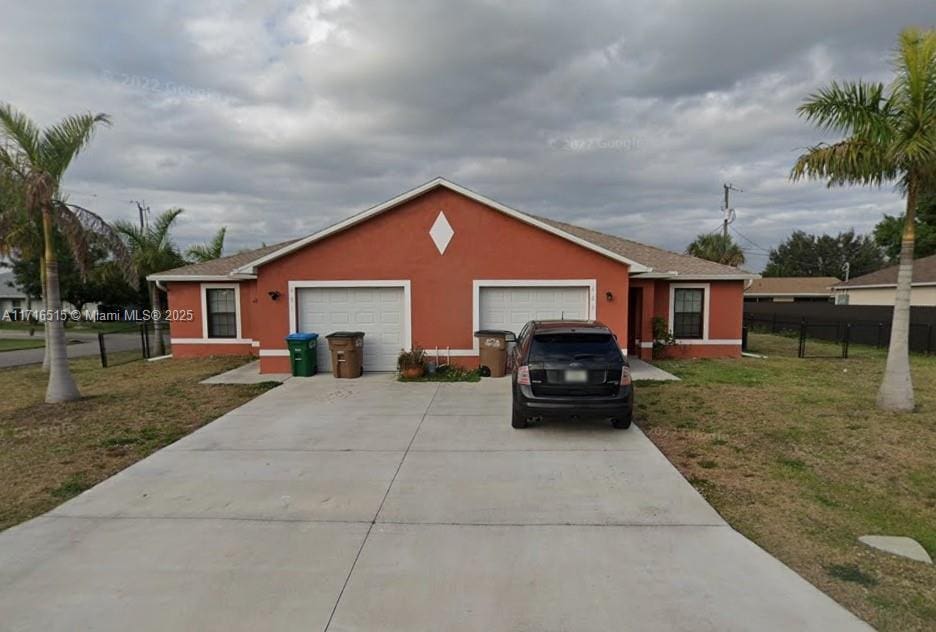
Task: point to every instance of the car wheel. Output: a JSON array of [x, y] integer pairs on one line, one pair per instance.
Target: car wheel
[[517, 420], [621, 424]]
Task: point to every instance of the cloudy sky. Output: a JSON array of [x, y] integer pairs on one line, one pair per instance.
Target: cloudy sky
[[276, 118]]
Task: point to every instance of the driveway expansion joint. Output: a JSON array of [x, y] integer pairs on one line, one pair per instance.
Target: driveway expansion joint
[[377, 513]]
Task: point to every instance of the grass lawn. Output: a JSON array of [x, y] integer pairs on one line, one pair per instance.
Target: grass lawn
[[15, 344], [793, 453], [51, 452]]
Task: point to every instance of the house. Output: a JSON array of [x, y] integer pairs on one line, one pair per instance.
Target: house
[[790, 289], [880, 287], [12, 299], [430, 267]]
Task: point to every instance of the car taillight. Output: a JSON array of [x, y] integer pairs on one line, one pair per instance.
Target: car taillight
[[523, 375], [625, 377]]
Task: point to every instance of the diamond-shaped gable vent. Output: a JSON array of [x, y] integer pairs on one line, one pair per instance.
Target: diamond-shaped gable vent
[[441, 233]]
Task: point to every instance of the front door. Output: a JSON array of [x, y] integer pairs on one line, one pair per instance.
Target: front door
[[634, 321]]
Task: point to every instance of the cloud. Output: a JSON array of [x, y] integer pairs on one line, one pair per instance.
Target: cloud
[[276, 118]]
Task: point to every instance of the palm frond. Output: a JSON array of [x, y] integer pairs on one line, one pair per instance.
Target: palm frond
[[108, 236], [212, 250], [24, 134], [62, 142], [854, 108], [163, 224], [76, 236], [851, 161]]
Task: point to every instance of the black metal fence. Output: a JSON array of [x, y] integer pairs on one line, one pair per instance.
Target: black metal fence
[[841, 331], [136, 341]]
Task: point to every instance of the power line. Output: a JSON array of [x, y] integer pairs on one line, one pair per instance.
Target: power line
[[749, 240]]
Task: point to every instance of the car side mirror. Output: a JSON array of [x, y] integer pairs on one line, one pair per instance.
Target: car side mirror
[[510, 336]]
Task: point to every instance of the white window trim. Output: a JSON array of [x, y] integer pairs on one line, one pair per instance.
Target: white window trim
[[591, 284], [407, 302], [237, 311], [707, 295]]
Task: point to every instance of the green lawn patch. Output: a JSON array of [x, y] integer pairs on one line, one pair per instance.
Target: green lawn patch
[[15, 344], [795, 455]]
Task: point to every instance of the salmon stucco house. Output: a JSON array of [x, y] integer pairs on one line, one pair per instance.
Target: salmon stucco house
[[433, 265]]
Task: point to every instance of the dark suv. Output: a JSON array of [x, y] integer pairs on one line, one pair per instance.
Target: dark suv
[[570, 368]]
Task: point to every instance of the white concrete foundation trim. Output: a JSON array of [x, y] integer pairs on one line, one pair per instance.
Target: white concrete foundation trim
[[211, 341], [274, 353]]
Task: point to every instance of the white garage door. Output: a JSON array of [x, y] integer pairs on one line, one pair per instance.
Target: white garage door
[[511, 308], [377, 311]]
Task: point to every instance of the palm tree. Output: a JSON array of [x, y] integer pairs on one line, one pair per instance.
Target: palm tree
[[718, 248], [36, 160], [890, 136], [206, 252], [21, 238], [152, 250]]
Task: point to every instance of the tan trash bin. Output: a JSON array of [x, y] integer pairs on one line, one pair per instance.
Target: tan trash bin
[[347, 353], [492, 344]]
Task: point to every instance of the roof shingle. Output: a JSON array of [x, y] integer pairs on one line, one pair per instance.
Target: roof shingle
[[792, 285], [224, 265], [924, 271], [657, 258]]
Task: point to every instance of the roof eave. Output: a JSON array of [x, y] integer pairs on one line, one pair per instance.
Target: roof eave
[[743, 276], [201, 277], [251, 267], [872, 286]]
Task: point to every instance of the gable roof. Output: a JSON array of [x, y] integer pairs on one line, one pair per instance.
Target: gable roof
[[792, 286], [413, 193], [222, 269], [924, 273], [643, 260]]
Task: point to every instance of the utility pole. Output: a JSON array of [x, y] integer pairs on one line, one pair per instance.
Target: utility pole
[[728, 215], [144, 211], [847, 268]]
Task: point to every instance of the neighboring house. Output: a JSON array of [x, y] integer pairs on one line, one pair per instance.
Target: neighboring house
[[790, 289], [880, 288], [11, 297], [433, 265]]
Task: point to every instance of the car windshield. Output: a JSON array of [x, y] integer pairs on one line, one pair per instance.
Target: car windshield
[[574, 346]]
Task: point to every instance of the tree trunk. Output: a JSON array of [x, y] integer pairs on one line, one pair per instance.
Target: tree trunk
[[45, 308], [62, 387], [157, 322], [896, 392]]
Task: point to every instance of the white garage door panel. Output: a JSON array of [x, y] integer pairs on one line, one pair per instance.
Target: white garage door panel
[[511, 308], [377, 311]]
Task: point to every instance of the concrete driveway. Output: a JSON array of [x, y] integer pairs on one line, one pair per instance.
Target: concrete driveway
[[373, 505]]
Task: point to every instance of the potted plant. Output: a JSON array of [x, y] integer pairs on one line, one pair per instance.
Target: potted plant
[[662, 337], [412, 364]]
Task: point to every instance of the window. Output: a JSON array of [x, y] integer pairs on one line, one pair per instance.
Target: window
[[222, 312], [688, 306]]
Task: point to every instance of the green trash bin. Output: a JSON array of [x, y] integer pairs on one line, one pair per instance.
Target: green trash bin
[[303, 349]]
